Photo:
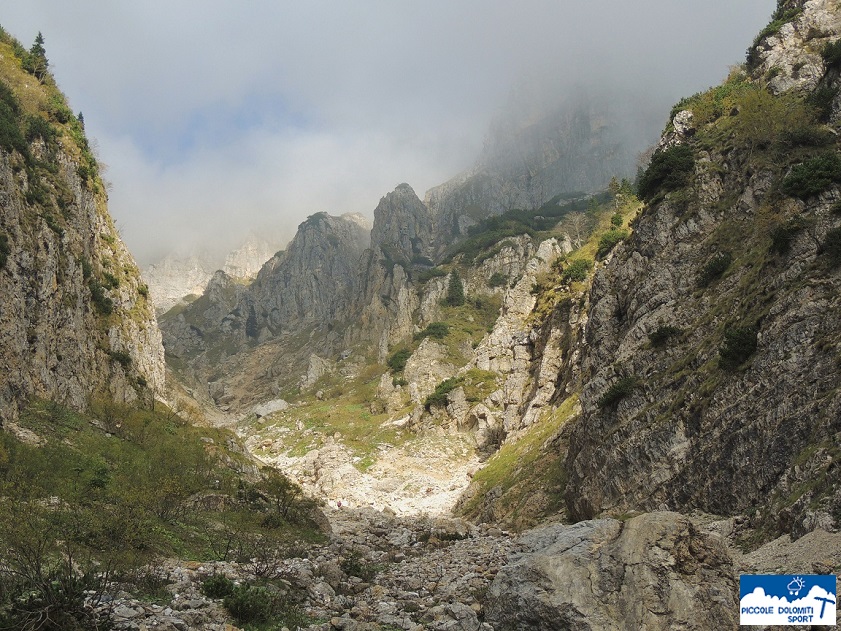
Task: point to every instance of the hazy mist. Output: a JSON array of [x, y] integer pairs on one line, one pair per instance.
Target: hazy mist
[[219, 118]]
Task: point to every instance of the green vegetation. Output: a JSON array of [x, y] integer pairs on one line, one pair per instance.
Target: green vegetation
[[5, 250], [217, 586], [662, 334], [669, 170], [739, 344], [831, 54], [455, 291], [497, 279], [397, 360], [618, 391], [714, 103], [832, 247], [250, 604], [783, 235], [609, 240], [780, 17], [437, 330], [102, 495], [491, 234], [714, 268], [438, 398], [522, 471], [814, 176], [577, 270]]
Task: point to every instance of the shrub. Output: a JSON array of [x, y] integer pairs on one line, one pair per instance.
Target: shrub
[[739, 344], [669, 170], [609, 240], [104, 305], [813, 176], [662, 334], [831, 54], [497, 279], [577, 270], [439, 396], [714, 268], [429, 274], [616, 220], [781, 16], [217, 586], [832, 246], [251, 604], [121, 357], [618, 391], [783, 235], [397, 361], [438, 330], [5, 250], [354, 564]]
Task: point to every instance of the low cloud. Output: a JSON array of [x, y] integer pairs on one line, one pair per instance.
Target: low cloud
[[220, 118]]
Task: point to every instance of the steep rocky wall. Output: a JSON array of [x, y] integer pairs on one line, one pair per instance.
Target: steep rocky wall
[[758, 434], [56, 341]]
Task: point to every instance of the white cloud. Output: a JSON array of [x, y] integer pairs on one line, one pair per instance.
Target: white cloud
[[273, 110]]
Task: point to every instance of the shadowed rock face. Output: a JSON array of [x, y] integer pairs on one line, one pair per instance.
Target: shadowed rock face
[[655, 571]]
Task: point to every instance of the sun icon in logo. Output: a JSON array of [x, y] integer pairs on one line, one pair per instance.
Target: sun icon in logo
[[796, 584]]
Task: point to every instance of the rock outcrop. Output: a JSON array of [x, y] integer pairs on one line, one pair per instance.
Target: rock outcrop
[[174, 278], [655, 571], [75, 320], [712, 362], [533, 153]]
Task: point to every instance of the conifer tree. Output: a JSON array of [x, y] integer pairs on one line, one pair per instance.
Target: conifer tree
[[455, 290], [36, 61]]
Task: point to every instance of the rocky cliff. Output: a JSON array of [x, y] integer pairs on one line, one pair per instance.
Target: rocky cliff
[[75, 320], [534, 152], [712, 363]]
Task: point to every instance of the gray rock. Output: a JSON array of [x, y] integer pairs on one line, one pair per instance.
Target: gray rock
[[655, 571]]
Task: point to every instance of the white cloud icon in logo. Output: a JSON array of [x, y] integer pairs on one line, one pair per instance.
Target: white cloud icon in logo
[[795, 585]]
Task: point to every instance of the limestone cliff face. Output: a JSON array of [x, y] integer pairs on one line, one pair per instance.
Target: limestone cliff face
[[720, 316], [242, 340], [532, 154], [173, 278], [403, 226], [75, 319]]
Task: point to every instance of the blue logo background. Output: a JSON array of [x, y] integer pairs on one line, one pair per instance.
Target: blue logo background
[[788, 586]]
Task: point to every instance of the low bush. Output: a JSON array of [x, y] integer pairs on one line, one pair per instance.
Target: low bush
[[576, 271], [437, 330], [397, 360], [5, 250], [831, 54], [609, 240], [618, 391], [497, 279], [217, 586], [714, 268], [354, 564], [783, 235], [813, 176], [439, 396], [663, 334], [832, 246], [669, 170], [739, 344], [250, 604]]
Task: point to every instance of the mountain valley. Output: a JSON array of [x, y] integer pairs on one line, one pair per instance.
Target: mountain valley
[[508, 404]]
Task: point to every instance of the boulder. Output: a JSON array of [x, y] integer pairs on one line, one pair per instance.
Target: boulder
[[655, 571]]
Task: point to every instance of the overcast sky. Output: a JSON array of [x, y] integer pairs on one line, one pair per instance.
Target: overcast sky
[[217, 118]]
